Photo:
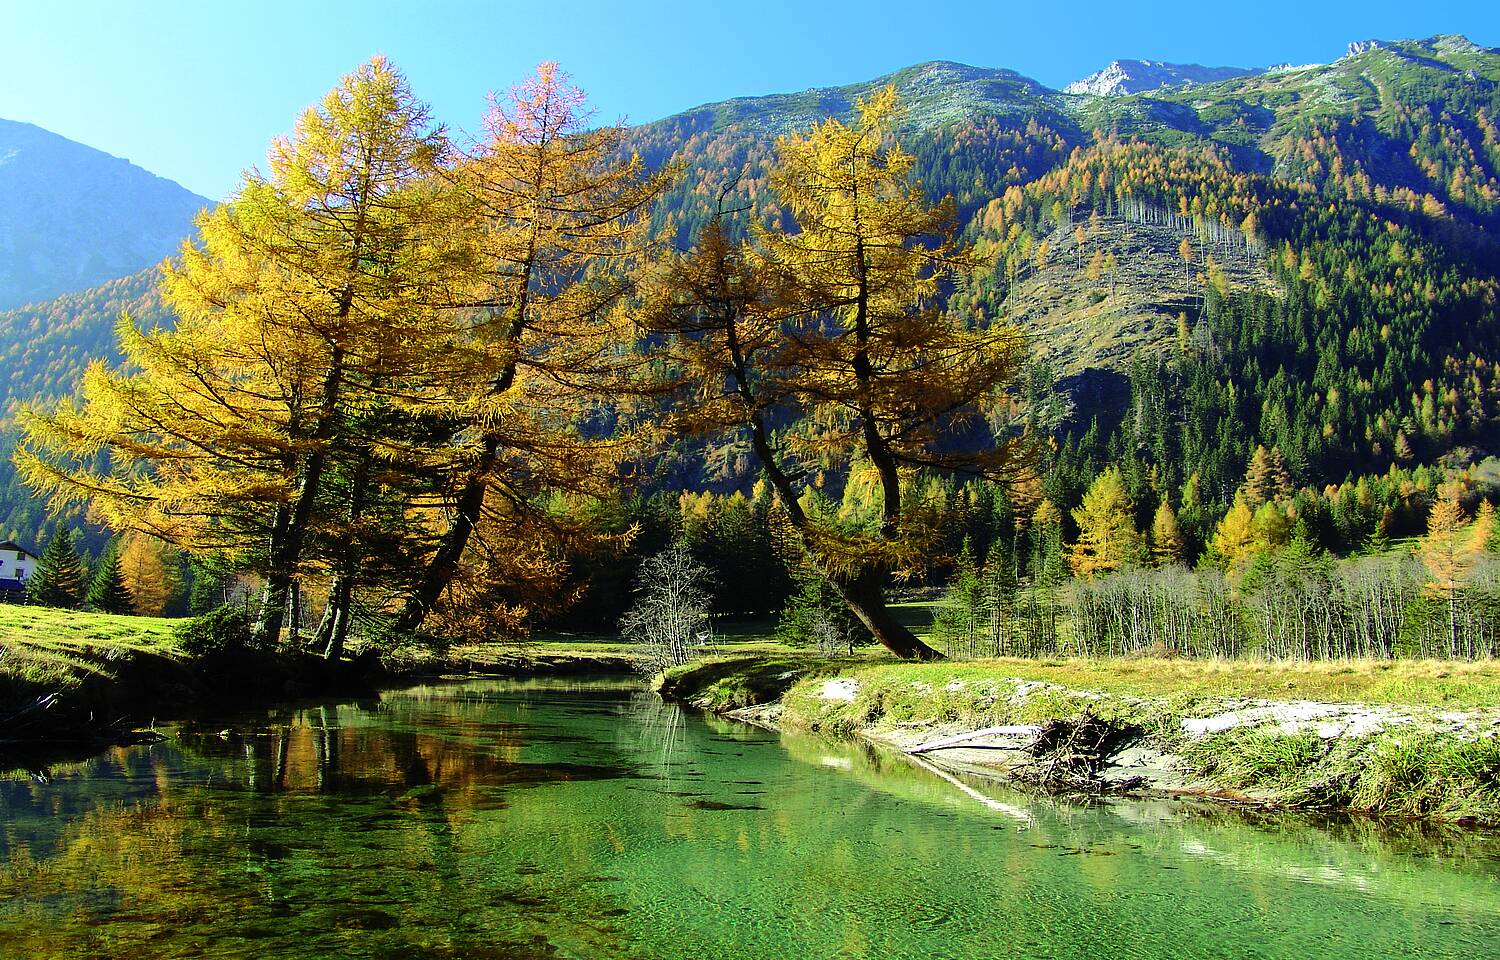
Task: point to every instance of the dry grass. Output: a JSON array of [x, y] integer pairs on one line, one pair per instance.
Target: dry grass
[[1430, 683]]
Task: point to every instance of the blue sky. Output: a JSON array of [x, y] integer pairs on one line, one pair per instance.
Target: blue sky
[[195, 90]]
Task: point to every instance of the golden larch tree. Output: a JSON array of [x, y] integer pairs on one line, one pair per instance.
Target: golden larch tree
[[1450, 553], [556, 213], [150, 574], [1167, 546], [306, 298], [839, 325], [1107, 536], [1234, 538]]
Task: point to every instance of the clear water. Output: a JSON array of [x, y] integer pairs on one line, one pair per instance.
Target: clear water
[[509, 819]]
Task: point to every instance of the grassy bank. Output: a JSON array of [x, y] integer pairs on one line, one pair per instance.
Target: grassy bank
[[66, 647], [1405, 738], [76, 678], [1429, 683]]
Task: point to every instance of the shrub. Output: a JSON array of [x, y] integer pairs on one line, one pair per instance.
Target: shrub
[[224, 630]]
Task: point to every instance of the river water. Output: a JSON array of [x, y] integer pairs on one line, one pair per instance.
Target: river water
[[509, 819]]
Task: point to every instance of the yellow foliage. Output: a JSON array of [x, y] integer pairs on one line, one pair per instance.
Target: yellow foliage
[[1234, 538], [1107, 537]]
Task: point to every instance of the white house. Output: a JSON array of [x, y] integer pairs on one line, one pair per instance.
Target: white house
[[16, 567]]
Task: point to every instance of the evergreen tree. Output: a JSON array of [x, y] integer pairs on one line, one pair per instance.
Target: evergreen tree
[[58, 578], [964, 618], [210, 583], [816, 616], [107, 591]]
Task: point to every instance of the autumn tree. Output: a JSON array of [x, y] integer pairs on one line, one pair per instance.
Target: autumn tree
[[1234, 538], [304, 305], [1167, 546], [1272, 527], [837, 326], [149, 574], [555, 210], [1449, 552], [1107, 537], [1267, 477]]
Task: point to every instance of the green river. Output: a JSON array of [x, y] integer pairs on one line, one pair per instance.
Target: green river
[[511, 819]]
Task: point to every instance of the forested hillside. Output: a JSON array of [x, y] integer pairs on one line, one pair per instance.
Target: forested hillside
[[45, 347], [1301, 259]]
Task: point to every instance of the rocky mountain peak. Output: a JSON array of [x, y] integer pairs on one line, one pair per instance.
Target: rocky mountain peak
[[1124, 77]]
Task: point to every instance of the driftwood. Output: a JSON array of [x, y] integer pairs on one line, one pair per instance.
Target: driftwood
[[1066, 756], [1069, 755], [965, 741]]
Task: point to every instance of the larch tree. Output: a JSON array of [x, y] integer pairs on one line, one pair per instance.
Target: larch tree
[[1234, 538], [1107, 537], [1450, 553], [837, 327], [555, 211], [1482, 537], [1167, 546], [305, 302], [148, 573], [1267, 477]]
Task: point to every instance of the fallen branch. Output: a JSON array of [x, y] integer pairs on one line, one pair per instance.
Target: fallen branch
[[965, 740]]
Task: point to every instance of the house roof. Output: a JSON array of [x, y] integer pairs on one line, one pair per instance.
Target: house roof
[[12, 545]]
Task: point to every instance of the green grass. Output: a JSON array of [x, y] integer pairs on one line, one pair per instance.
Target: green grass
[[731, 681], [1397, 772], [39, 644]]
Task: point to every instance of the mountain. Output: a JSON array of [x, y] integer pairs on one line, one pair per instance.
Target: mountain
[[1304, 257], [72, 217], [975, 131], [1139, 76]]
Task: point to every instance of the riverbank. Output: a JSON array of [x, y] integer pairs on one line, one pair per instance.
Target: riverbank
[[74, 681], [1404, 738]]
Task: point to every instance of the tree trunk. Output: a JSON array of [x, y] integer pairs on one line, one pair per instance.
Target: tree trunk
[[335, 648], [290, 525], [866, 598], [445, 561], [335, 623], [267, 627], [296, 629]]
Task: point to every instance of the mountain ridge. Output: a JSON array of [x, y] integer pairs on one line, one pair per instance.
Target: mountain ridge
[[1124, 77], [73, 216]]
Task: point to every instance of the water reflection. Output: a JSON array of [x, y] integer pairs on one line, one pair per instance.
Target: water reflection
[[535, 819]]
